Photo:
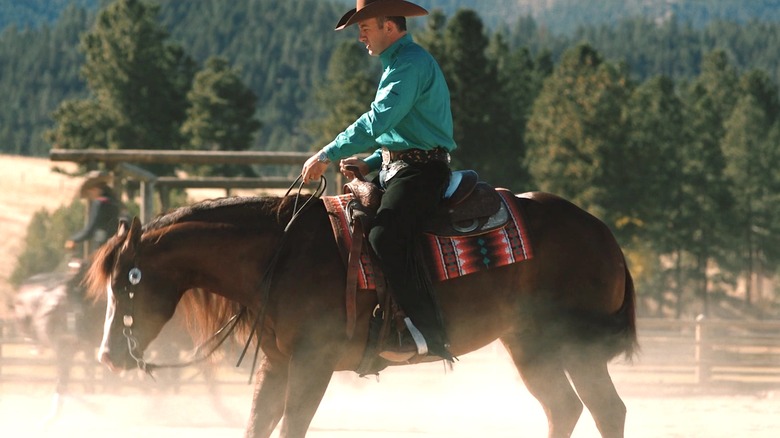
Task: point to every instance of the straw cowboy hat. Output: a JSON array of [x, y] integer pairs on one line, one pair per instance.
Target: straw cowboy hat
[[366, 9], [94, 179]]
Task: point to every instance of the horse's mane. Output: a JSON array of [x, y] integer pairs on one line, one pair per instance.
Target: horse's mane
[[242, 212], [230, 209]]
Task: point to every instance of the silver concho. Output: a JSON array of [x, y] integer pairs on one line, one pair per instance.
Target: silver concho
[[134, 276]]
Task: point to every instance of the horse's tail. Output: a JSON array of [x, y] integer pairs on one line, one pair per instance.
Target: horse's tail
[[613, 334]]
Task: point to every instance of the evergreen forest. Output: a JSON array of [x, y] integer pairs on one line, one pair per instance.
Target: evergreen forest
[[666, 129]]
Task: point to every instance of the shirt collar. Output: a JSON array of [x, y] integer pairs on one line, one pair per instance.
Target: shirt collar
[[391, 51]]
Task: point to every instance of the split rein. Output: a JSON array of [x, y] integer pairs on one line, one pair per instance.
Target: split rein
[[221, 335]]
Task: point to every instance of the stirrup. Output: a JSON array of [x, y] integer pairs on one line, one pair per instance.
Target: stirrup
[[419, 339], [405, 351]]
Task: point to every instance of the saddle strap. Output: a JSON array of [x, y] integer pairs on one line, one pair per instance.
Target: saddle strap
[[353, 267]]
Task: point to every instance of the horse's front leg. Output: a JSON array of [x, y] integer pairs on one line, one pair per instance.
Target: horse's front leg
[[269, 398], [311, 368]]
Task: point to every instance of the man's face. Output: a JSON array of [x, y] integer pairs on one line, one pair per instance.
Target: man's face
[[376, 38]]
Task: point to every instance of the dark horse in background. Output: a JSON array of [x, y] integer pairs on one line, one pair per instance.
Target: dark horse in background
[[567, 311]]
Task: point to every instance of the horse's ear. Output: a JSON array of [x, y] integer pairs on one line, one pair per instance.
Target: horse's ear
[[133, 234], [124, 226]]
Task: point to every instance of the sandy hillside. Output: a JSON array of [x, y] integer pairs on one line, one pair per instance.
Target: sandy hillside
[[26, 186]]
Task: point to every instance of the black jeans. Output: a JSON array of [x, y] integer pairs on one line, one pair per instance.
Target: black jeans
[[411, 197]]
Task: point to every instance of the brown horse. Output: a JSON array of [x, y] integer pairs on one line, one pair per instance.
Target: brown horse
[[569, 310]]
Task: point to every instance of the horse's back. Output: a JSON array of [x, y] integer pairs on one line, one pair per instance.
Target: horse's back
[[568, 242], [581, 265], [577, 271]]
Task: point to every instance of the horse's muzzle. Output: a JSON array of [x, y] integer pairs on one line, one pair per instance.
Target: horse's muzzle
[[104, 357]]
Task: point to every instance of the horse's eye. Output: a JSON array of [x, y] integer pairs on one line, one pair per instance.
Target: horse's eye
[[134, 276]]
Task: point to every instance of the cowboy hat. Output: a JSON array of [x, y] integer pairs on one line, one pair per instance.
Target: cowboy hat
[[366, 9], [94, 179]]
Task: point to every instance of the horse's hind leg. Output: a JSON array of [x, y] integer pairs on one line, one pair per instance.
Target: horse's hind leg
[[590, 376], [545, 378]]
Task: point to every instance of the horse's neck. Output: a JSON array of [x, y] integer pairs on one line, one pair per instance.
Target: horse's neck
[[228, 264]]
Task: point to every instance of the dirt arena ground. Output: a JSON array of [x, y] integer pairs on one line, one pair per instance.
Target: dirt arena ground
[[479, 398]]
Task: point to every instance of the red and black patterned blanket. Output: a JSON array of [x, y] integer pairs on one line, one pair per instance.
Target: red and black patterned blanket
[[447, 257]]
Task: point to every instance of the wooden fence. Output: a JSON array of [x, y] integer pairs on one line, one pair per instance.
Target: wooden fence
[[123, 163], [701, 353], [707, 351]]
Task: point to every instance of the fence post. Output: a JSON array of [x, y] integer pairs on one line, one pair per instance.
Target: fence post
[[701, 352]]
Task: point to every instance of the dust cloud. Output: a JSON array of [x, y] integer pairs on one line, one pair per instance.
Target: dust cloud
[[482, 397]]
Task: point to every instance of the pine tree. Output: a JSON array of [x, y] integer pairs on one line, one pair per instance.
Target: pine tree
[[346, 93], [709, 103], [648, 203], [474, 88], [751, 166], [575, 130], [220, 114], [138, 82]]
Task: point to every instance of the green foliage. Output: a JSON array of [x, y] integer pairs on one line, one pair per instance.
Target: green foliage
[[575, 129], [40, 69], [45, 240], [220, 114], [281, 48], [138, 78], [650, 168], [137, 81], [348, 89], [484, 114], [33, 13], [752, 161], [566, 16], [82, 124]]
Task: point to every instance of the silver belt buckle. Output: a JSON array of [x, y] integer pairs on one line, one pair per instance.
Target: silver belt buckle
[[394, 167], [389, 170]]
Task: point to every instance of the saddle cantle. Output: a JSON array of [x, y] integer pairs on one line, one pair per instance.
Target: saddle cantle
[[469, 206]]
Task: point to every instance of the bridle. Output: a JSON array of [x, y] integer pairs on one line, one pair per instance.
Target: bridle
[[134, 278], [135, 275]]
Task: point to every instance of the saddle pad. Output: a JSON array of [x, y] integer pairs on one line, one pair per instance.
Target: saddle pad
[[446, 257]]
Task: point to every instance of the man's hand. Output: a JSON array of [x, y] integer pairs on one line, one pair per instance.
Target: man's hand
[[313, 169], [353, 161], [69, 244]]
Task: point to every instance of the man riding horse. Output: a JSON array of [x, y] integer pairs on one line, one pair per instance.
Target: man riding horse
[[411, 122]]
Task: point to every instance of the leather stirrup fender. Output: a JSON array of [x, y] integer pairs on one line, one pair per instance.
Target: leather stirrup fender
[[353, 266]]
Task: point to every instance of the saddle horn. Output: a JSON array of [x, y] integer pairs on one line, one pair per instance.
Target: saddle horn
[[355, 171]]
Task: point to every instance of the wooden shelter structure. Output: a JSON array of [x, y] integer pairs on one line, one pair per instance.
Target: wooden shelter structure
[[126, 164]]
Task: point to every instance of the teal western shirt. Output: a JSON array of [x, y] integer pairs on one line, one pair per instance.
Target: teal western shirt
[[411, 108]]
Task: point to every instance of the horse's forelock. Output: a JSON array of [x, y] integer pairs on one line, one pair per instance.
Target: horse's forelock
[[99, 272]]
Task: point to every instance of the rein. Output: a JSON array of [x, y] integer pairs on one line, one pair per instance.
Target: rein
[[135, 275], [265, 284]]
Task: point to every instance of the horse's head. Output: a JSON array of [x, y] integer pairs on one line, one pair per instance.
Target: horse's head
[[140, 298]]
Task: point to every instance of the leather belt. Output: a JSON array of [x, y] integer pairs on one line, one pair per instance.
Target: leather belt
[[415, 156]]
